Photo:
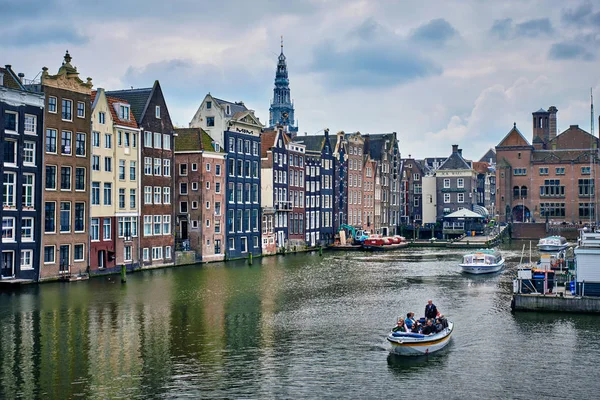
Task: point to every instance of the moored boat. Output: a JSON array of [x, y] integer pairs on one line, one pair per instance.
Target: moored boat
[[417, 344], [552, 243], [378, 243], [482, 262]]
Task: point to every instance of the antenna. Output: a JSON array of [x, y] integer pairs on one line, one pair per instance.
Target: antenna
[[281, 44], [592, 187], [592, 111]]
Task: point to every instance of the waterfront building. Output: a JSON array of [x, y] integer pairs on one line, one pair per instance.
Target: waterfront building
[[243, 185], [551, 179], [486, 183], [368, 194], [275, 203], [213, 115], [296, 189], [150, 110], [200, 189], [313, 199], [355, 179], [412, 191], [115, 185], [66, 175], [456, 184], [319, 153], [281, 111], [340, 207], [377, 194], [22, 122]]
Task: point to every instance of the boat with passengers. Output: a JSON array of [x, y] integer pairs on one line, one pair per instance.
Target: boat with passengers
[[418, 344], [484, 261], [552, 243]]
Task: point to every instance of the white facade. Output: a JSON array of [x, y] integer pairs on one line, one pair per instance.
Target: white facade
[[429, 199]]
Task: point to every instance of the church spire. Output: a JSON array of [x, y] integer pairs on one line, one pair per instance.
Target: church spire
[[281, 111]]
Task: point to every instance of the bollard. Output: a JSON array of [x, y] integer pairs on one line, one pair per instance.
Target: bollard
[[249, 258], [321, 251], [123, 274]]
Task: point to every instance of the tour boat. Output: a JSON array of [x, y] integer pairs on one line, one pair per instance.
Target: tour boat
[[482, 262], [552, 243], [417, 344]]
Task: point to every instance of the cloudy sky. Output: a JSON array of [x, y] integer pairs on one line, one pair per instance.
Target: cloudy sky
[[435, 72]]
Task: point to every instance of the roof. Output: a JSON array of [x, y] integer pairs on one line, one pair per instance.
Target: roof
[[312, 143], [455, 161], [489, 157], [519, 140], [267, 141], [138, 99], [541, 110], [234, 107], [374, 143], [480, 167], [10, 80], [112, 101], [463, 213], [193, 139]]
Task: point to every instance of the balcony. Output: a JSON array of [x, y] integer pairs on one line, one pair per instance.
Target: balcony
[[283, 205]]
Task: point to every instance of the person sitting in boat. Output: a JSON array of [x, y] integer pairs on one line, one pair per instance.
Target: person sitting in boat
[[429, 328], [410, 322], [400, 326], [431, 311]]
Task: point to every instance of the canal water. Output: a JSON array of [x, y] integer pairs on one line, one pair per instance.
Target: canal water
[[299, 326]]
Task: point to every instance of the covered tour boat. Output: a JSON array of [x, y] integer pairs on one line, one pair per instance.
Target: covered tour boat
[[482, 262], [552, 243], [417, 344]]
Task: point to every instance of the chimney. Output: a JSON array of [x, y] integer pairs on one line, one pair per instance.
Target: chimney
[[552, 110], [460, 152], [454, 148]]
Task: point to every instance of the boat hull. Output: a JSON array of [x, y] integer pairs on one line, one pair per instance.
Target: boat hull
[[478, 269], [387, 247], [419, 345], [551, 247]]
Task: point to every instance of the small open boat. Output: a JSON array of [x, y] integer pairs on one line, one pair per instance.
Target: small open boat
[[379, 243], [552, 243], [417, 344], [482, 262]]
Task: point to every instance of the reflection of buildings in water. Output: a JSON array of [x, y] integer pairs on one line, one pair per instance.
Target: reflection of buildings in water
[[18, 372]]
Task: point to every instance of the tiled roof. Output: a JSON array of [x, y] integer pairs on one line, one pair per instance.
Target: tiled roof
[[480, 167], [312, 143], [234, 107], [561, 155], [208, 142], [193, 139], [10, 81], [267, 141], [132, 123], [137, 99], [490, 155], [455, 161], [374, 143]]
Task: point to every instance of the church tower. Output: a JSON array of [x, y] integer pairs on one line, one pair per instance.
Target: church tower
[[281, 111]]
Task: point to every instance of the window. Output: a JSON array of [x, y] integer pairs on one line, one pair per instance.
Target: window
[[157, 140], [26, 259], [552, 210], [157, 225], [157, 111], [107, 194], [146, 254], [132, 170], [30, 124], [147, 225], [124, 112], [132, 198], [8, 229], [121, 198], [460, 182], [207, 185], [148, 165], [194, 205], [147, 139], [28, 190], [65, 178], [95, 193], [552, 188], [543, 170], [255, 148], [65, 216], [50, 217], [67, 110], [157, 195], [217, 187], [520, 171], [133, 139], [147, 194], [80, 109], [107, 141], [218, 170], [78, 252], [95, 230], [157, 166], [80, 178], [166, 225], [244, 244], [79, 217], [95, 163], [106, 229], [585, 170], [49, 254], [166, 195], [10, 152], [107, 164], [101, 118], [446, 198], [51, 140], [183, 169], [586, 187], [446, 183], [127, 253], [210, 121], [122, 170], [95, 139], [231, 244], [240, 168], [183, 188], [52, 104], [460, 198], [27, 229], [29, 153], [586, 210], [166, 142], [166, 167]]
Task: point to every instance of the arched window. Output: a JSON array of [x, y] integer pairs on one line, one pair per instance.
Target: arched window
[[516, 191], [523, 191]]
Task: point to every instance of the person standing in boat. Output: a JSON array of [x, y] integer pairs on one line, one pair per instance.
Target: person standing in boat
[[431, 311]]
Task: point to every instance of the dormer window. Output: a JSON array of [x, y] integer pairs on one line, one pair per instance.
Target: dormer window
[[124, 112], [217, 147]]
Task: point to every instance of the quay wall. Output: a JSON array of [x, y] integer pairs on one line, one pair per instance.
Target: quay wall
[[533, 302]]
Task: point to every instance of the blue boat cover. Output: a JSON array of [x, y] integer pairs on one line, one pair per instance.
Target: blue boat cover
[[405, 334]]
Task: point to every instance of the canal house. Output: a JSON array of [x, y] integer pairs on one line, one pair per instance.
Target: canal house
[[22, 122]]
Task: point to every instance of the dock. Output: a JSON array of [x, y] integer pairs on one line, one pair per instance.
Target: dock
[[559, 301], [466, 242]]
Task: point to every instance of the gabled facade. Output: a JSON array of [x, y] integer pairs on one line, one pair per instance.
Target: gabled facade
[[368, 194], [200, 188], [21, 161], [67, 125], [150, 110], [242, 139], [115, 185], [340, 207], [355, 179], [213, 115], [296, 219], [456, 182], [412, 192]]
